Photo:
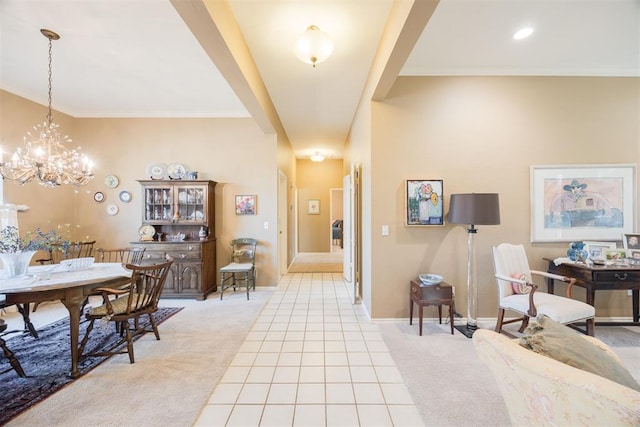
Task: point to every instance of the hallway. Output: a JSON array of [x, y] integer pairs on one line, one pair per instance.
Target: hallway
[[311, 358]]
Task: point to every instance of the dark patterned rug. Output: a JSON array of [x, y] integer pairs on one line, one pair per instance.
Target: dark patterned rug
[[47, 362]]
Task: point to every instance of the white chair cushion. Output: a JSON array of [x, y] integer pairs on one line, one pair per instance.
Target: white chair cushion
[[237, 267], [560, 309]]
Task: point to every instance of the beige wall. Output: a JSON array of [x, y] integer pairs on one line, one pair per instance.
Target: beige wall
[[481, 134], [233, 152], [314, 179]]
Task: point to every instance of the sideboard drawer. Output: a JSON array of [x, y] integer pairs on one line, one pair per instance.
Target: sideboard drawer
[[177, 251], [443, 291]]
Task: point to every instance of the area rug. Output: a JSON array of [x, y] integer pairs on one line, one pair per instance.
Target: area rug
[[47, 362]]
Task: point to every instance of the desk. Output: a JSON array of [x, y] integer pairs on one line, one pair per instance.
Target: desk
[[71, 288], [594, 278], [421, 295]]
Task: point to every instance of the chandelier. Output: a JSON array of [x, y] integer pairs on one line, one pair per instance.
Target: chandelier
[[314, 46], [44, 156]]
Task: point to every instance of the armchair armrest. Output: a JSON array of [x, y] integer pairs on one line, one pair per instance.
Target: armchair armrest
[[570, 280], [533, 311]]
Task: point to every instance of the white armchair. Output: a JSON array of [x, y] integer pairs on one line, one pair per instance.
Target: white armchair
[[542, 391], [511, 261]]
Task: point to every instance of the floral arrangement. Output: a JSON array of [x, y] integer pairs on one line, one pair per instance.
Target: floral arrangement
[[10, 241]]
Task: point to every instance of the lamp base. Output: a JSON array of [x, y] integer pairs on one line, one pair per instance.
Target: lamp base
[[466, 330]]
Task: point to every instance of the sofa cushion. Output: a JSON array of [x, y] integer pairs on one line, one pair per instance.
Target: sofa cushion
[[559, 342]]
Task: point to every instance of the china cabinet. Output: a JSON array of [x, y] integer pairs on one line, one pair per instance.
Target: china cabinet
[[178, 219]]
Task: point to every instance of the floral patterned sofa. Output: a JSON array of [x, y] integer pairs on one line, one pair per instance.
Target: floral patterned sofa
[[540, 391]]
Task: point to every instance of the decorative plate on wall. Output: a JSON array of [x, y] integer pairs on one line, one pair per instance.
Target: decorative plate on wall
[[112, 209], [111, 181], [125, 196], [98, 196]]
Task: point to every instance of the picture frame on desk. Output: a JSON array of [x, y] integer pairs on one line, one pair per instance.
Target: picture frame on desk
[[631, 241], [633, 257], [424, 202], [598, 249], [576, 202]]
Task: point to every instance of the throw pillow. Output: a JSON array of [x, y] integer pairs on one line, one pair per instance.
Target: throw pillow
[[521, 288], [559, 342]]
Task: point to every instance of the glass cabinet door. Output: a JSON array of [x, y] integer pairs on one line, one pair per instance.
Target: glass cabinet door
[[190, 203], [158, 204]]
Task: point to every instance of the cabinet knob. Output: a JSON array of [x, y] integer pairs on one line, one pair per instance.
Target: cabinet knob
[[190, 248]]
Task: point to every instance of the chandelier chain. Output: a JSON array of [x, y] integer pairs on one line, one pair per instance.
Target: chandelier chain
[[49, 115]]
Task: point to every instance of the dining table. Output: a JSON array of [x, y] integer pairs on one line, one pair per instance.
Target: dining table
[[72, 288]]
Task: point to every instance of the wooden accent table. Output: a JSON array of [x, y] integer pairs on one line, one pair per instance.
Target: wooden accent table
[[594, 278], [439, 295]]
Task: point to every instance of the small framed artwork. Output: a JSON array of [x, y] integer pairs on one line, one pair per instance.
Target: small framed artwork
[[633, 256], [424, 202], [575, 202], [631, 241], [313, 207], [598, 250], [246, 204]]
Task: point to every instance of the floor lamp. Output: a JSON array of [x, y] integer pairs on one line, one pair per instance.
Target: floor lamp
[[473, 209]]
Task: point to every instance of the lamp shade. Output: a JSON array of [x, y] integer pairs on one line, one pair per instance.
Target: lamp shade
[[474, 208]]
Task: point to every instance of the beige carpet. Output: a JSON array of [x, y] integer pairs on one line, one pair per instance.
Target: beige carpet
[[171, 380], [317, 262]]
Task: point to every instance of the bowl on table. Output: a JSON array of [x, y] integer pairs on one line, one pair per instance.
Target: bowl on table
[[430, 279], [77, 264]]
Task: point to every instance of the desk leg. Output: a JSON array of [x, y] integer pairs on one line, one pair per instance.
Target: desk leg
[[635, 296], [73, 302], [420, 307]]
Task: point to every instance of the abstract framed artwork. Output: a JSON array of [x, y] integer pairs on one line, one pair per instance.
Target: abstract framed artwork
[[246, 204], [424, 202], [582, 202]]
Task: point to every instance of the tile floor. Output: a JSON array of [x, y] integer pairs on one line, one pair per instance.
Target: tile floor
[[311, 359]]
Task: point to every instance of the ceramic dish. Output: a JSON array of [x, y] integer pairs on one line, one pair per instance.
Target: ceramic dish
[[176, 171], [157, 171], [430, 279]]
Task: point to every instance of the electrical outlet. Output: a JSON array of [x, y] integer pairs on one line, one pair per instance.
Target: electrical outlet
[[629, 292]]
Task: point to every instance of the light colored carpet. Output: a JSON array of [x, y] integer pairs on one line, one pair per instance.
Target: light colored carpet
[[451, 386], [171, 380], [317, 262]]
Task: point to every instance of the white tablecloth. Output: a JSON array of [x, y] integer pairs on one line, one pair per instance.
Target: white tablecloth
[[44, 275]]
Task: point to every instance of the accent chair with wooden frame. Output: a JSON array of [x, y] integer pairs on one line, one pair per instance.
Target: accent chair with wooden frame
[[242, 268], [138, 299], [512, 270]]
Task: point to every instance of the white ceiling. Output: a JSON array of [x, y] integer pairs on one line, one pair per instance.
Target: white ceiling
[[126, 58]]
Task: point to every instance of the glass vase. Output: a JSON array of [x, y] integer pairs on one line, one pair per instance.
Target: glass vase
[[15, 264]]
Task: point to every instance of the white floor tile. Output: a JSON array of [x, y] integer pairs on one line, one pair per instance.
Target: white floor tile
[[339, 393], [312, 374], [375, 416], [253, 394], [286, 374], [311, 393], [277, 415], [235, 374], [342, 416], [396, 394], [309, 416], [214, 415], [405, 415], [261, 374], [225, 393], [337, 374], [368, 393], [245, 415], [282, 394]]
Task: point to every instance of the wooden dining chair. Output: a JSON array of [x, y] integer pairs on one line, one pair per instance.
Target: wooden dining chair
[[138, 299], [59, 252], [62, 251], [8, 354], [241, 270], [123, 255]]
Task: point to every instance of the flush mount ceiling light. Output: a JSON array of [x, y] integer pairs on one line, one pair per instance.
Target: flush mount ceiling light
[[523, 33], [314, 46], [44, 156], [317, 157]]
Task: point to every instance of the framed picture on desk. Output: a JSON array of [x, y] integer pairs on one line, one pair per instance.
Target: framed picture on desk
[[631, 241], [582, 202], [633, 257], [598, 249]]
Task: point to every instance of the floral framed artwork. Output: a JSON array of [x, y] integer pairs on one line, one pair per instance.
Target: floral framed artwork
[[246, 204], [631, 241], [424, 202], [313, 207], [576, 202]]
